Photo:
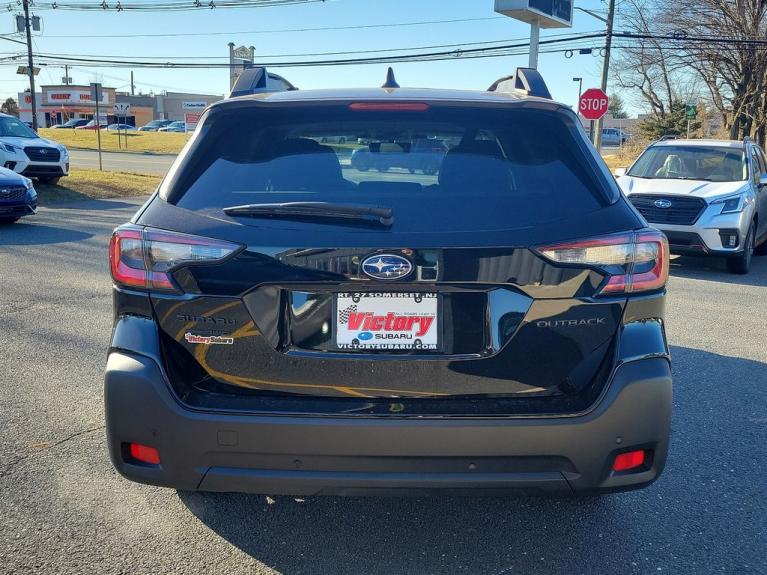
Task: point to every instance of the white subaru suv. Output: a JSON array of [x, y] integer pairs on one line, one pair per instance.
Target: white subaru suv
[[26, 153], [708, 196]]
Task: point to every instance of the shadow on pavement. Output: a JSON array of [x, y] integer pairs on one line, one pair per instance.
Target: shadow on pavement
[[714, 269], [22, 233], [712, 486]]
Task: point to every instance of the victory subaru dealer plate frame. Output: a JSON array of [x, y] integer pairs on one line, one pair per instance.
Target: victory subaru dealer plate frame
[[391, 321]]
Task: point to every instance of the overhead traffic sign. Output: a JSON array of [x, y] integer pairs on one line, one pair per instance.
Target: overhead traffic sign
[[593, 104]]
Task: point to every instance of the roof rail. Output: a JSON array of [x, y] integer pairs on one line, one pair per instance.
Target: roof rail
[[746, 140], [527, 81], [667, 137], [257, 81]]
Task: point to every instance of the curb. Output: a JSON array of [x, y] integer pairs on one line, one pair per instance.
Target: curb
[[123, 152]]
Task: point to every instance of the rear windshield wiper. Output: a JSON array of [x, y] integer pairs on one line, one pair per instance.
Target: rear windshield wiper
[[315, 210]]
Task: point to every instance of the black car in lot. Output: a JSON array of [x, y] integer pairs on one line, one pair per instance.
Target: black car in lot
[[71, 124], [288, 325]]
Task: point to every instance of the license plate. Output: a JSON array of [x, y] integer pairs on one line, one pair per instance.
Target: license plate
[[387, 321]]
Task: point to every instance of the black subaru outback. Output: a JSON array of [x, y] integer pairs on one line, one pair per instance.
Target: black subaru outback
[[288, 324]]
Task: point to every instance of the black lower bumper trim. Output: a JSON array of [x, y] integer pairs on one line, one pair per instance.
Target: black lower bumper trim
[[16, 211], [33, 171], [302, 455], [686, 243]]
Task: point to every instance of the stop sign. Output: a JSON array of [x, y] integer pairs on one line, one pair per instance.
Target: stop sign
[[593, 104]]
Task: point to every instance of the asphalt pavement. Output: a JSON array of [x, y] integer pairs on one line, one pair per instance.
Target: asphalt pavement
[[63, 508]]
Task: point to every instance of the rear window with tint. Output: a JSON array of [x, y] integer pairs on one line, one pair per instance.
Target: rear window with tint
[[446, 168]]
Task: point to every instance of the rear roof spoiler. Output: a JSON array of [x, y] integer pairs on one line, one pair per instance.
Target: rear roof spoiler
[[526, 81], [258, 81]]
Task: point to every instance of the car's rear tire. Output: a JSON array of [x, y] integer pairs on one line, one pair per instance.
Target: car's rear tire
[[49, 180], [7, 220], [741, 264]]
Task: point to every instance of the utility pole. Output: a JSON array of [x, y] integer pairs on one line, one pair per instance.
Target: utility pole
[[66, 75], [605, 68], [30, 63], [132, 85]]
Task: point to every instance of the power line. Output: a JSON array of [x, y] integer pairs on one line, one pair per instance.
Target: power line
[[166, 5], [569, 44], [426, 56], [283, 30], [14, 40], [166, 58]]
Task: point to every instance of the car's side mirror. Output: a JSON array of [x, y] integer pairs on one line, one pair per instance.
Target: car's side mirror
[[763, 180], [620, 172]]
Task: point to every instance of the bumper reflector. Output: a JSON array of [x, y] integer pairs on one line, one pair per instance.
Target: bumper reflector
[[144, 453], [630, 460]]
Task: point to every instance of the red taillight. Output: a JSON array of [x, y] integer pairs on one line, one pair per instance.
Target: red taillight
[[144, 453], [389, 107], [143, 258], [634, 261], [630, 460]]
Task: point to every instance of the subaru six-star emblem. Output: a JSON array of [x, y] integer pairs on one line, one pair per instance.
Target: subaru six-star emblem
[[386, 267], [663, 204]]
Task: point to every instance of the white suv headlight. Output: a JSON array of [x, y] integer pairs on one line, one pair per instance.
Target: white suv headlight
[[734, 204]]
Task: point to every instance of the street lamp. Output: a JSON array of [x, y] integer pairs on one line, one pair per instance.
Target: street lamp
[[580, 91]]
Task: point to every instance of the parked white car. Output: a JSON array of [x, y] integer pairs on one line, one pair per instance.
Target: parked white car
[[25, 152], [708, 196]]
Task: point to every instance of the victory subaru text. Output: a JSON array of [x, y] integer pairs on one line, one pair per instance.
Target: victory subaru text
[[285, 323]]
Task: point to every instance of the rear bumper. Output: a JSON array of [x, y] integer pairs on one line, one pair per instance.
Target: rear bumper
[[292, 455]]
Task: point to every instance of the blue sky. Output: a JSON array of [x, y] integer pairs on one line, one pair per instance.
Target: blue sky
[[82, 27]]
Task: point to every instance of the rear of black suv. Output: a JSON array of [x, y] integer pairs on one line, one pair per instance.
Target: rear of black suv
[[288, 324]]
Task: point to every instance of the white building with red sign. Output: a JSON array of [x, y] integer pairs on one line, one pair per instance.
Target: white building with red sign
[[57, 104]]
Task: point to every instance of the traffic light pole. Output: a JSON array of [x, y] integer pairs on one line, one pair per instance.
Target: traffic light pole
[[30, 63], [605, 68]]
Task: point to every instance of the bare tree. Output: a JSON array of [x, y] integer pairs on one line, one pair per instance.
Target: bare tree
[[734, 71], [644, 64], [726, 69]]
